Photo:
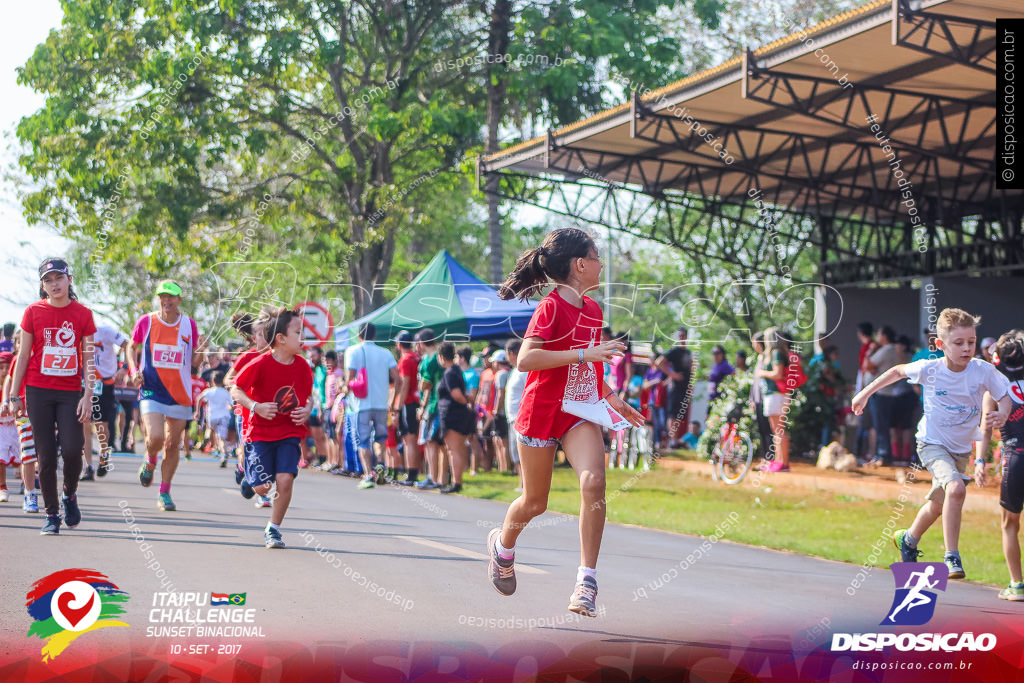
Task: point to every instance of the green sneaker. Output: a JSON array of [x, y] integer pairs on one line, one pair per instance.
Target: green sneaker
[[1014, 592], [956, 566], [165, 503], [146, 474], [907, 554]]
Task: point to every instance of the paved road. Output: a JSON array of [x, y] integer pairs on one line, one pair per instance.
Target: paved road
[[425, 552]]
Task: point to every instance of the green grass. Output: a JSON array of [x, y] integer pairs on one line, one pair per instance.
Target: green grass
[[818, 523]]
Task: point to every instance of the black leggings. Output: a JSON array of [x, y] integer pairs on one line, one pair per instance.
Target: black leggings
[[52, 413], [129, 416]]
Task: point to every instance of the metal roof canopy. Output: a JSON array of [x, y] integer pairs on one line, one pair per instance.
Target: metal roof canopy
[[794, 117]]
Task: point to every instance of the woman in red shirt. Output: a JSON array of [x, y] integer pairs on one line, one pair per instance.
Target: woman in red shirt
[[564, 357], [56, 333]]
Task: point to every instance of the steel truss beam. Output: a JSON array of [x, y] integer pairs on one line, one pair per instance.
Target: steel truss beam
[[842, 160], [918, 30], [780, 89], [851, 249]]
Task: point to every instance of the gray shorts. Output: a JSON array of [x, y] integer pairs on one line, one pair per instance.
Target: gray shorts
[[944, 466], [535, 442]]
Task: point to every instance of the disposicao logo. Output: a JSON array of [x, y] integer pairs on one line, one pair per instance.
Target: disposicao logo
[[914, 605], [70, 603]]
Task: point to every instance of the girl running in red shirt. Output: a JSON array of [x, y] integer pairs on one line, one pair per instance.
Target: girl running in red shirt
[[56, 338], [561, 351]]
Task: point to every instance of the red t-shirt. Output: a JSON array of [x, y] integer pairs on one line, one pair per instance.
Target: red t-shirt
[[487, 382], [562, 326], [408, 367], [197, 388], [266, 380], [57, 333]]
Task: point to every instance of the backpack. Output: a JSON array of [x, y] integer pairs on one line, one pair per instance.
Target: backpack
[[795, 376]]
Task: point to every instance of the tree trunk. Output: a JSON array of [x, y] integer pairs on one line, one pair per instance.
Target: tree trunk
[[497, 44]]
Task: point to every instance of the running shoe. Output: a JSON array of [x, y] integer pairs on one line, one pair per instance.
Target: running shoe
[[165, 503], [907, 554], [223, 460], [104, 466], [146, 474], [407, 482], [247, 490], [956, 566], [582, 599], [273, 538], [262, 502], [1014, 592], [454, 488], [239, 475], [381, 473], [367, 482], [31, 504], [88, 475], [52, 526], [500, 571], [72, 515], [4, 496]]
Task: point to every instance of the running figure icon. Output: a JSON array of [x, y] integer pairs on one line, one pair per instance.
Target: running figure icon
[[916, 596]]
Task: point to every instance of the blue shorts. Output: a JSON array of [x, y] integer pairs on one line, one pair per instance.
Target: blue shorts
[[367, 420], [266, 459]]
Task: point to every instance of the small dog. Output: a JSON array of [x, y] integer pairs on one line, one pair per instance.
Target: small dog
[[834, 456]]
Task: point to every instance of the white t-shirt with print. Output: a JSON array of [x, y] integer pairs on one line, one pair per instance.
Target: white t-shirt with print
[[953, 400]]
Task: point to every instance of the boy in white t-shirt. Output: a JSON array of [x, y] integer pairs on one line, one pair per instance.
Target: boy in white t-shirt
[[219, 412], [953, 388]]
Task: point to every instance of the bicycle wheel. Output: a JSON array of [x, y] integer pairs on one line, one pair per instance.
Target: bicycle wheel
[[735, 459]]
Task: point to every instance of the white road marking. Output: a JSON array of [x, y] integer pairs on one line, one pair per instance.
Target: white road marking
[[462, 552]]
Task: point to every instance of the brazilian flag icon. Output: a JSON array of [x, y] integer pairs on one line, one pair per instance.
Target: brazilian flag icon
[[237, 598]]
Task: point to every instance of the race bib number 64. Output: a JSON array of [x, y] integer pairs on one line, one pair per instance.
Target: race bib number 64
[[168, 356]]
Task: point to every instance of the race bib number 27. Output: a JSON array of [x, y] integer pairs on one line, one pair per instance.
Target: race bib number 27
[[59, 361]]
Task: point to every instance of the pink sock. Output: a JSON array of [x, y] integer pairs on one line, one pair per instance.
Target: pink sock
[[165, 487], [151, 460]]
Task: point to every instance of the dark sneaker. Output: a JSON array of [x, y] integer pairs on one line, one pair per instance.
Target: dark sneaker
[[454, 488], [72, 515], [239, 475], [956, 566], [583, 598], [247, 490], [907, 554], [381, 475], [52, 527], [104, 466], [165, 503], [146, 474], [502, 572], [407, 482], [88, 475], [273, 538]]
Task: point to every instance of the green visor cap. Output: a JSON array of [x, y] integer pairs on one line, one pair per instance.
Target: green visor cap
[[169, 287]]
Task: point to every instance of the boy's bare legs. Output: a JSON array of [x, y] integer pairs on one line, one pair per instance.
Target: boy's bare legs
[[1011, 543], [952, 508], [926, 516]]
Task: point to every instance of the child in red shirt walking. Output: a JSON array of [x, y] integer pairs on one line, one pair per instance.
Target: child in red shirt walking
[[276, 388], [563, 354]]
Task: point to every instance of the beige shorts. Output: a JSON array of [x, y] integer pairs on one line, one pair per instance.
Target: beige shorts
[[944, 466], [775, 404]]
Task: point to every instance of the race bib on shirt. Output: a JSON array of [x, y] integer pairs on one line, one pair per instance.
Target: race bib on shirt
[[582, 399], [168, 356], [60, 355]]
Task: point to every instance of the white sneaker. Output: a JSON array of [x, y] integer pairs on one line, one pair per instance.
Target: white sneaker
[[4, 497], [367, 483], [262, 502], [31, 502]]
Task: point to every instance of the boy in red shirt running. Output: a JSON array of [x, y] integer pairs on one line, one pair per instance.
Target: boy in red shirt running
[[276, 388], [564, 359]]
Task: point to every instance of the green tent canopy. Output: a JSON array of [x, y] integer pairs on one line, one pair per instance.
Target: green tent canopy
[[449, 299]]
